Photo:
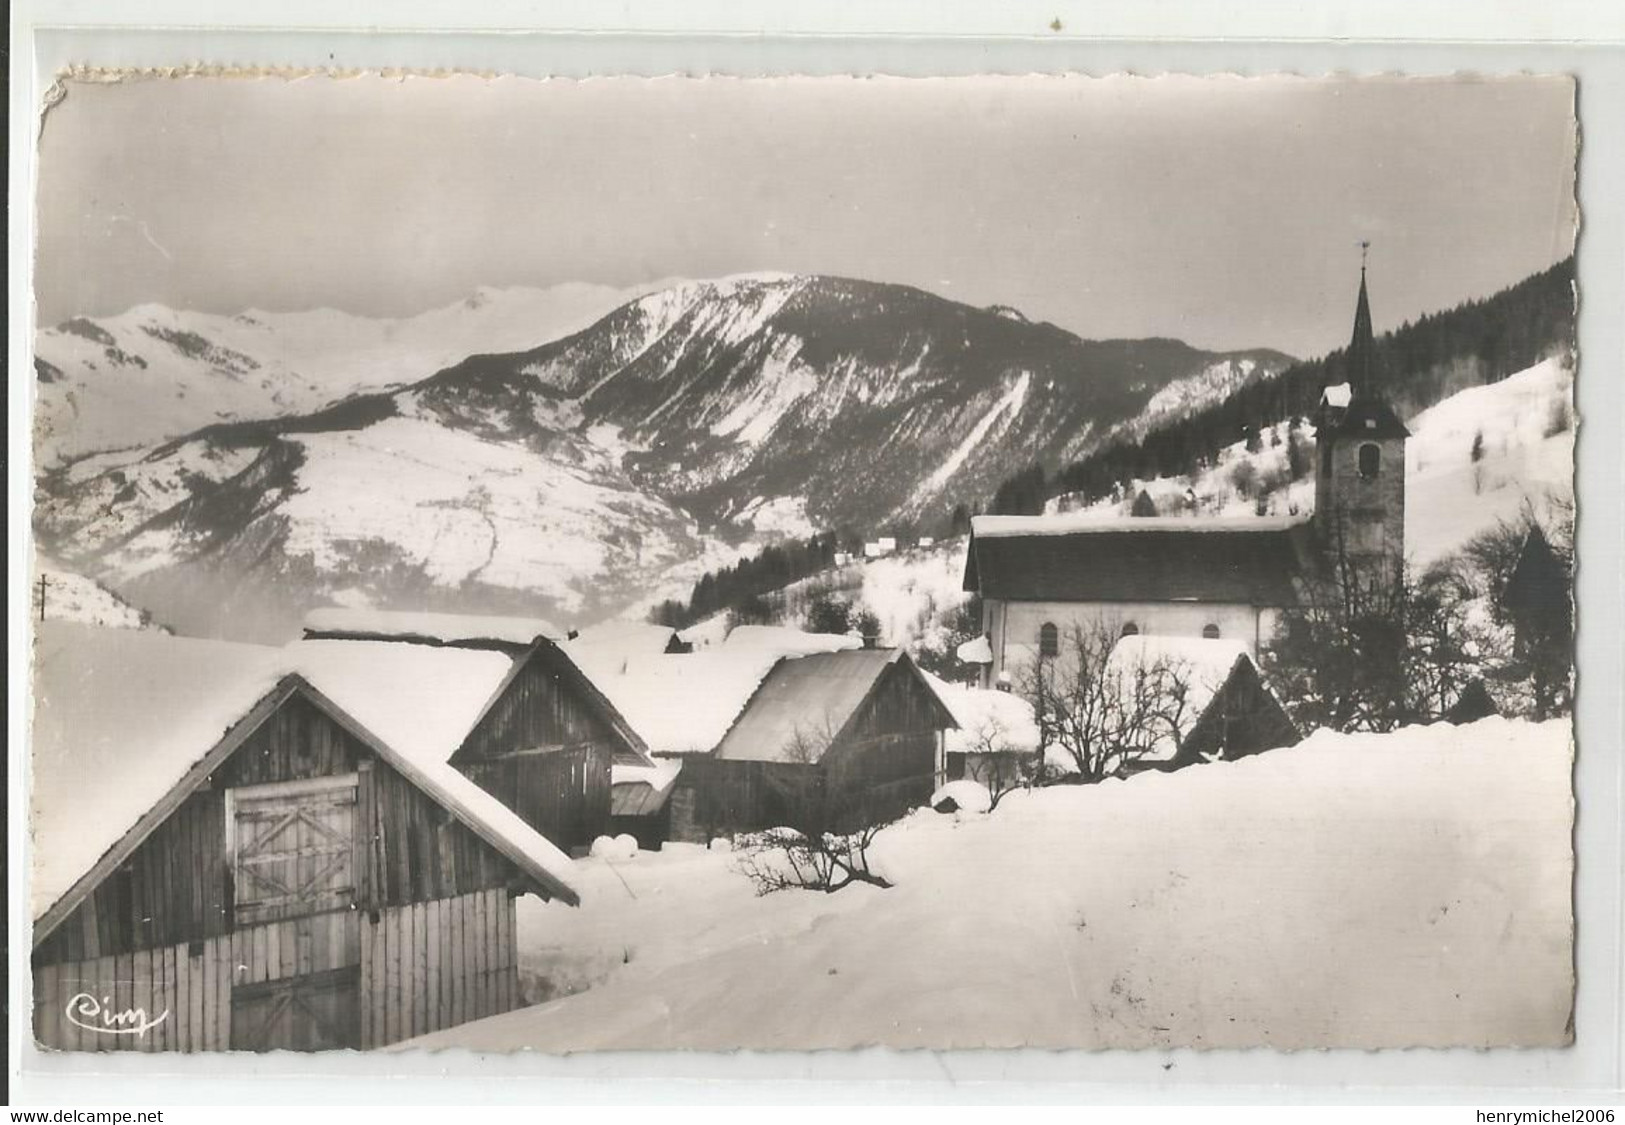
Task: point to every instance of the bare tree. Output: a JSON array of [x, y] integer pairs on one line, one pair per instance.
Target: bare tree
[[1105, 714], [824, 846], [994, 759]]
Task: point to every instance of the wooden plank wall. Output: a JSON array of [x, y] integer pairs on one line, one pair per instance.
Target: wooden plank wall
[[191, 982], [563, 794], [432, 965], [424, 967]]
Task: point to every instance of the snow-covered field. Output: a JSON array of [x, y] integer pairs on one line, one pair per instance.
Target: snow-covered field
[[1356, 890]]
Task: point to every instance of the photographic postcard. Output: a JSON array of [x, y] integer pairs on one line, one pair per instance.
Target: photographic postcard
[[780, 564]]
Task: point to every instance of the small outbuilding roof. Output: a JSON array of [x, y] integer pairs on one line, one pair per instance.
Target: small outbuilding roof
[[470, 630], [804, 705], [1146, 559]]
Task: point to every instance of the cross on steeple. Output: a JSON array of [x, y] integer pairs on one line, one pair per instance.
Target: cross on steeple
[[1365, 245]]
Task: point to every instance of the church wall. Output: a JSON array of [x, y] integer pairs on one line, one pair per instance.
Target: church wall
[[1014, 625]]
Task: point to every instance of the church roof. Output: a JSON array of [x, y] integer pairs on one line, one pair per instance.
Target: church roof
[[1140, 560], [1364, 416]]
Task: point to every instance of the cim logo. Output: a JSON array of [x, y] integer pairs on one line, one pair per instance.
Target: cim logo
[[87, 1012]]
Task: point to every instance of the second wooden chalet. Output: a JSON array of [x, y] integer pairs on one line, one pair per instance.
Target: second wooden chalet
[[543, 741], [773, 722], [223, 857]]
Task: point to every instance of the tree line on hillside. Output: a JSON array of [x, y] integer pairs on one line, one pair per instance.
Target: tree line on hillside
[[1475, 343], [732, 587]]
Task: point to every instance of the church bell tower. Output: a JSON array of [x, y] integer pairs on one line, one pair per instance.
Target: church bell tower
[[1360, 459]]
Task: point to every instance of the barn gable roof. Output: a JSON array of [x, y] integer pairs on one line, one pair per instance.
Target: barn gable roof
[[1151, 559], [128, 724], [435, 696], [806, 704]]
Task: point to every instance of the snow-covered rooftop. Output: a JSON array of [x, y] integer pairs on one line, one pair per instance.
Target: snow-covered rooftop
[[988, 720], [684, 704], [420, 699], [1078, 523], [788, 642], [626, 640], [446, 628]]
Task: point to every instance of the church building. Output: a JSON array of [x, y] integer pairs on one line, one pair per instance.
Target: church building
[[1039, 577]]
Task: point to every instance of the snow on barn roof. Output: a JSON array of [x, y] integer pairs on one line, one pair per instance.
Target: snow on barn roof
[[804, 704], [626, 640], [987, 719], [681, 704], [419, 699], [685, 703], [1250, 561], [787, 641], [428, 628], [1202, 665], [121, 717]]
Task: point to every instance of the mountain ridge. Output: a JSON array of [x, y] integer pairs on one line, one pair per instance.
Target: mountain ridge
[[608, 465]]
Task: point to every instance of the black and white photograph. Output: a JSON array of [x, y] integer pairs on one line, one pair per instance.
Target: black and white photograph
[[782, 564]]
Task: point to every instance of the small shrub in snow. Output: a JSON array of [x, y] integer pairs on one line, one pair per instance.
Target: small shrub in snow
[[721, 844]]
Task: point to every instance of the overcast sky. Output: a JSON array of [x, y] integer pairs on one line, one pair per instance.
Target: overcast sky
[[1225, 212]]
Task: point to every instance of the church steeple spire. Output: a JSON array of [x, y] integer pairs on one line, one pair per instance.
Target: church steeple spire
[[1362, 346]]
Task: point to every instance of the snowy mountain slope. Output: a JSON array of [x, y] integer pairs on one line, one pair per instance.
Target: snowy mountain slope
[[583, 477], [1355, 890], [1524, 425], [73, 597], [154, 373], [856, 400]]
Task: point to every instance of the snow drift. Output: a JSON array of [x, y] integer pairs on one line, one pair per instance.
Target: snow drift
[[1356, 890]]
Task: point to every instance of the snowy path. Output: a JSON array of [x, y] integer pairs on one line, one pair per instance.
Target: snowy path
[[1355, 890]]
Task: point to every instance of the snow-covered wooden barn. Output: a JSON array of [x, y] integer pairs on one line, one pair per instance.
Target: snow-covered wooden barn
[[226, 857], [546, 739], [759, 720]]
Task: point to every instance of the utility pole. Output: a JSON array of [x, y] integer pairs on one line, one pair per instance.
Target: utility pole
[[42, 581]]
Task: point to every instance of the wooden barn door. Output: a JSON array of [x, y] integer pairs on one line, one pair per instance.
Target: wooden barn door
[[293, 848], [316, 1012]]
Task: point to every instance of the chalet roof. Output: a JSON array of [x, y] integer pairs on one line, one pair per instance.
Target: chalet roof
[[426, 628], [805, 704], [685, 703], [1149, 559], [624, 639], [431, 697], [124, 717], [987, 719]]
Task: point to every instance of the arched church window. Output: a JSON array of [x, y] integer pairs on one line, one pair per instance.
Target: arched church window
[[1049, 639], [1210, 632], [1370, 460], [1130, 630]]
